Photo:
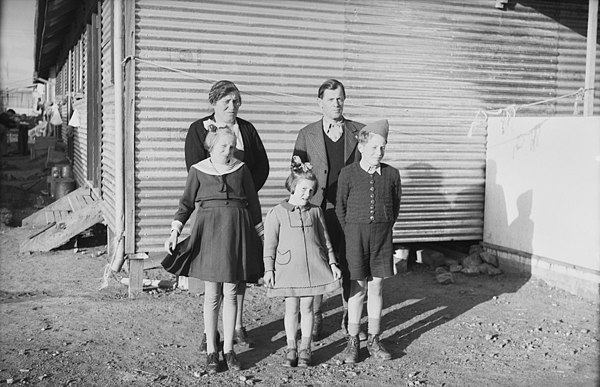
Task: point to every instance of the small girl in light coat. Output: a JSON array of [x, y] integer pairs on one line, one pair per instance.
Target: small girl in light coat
[[299, 260]]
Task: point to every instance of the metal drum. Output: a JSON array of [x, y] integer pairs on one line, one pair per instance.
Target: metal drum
[[63, 186], [67, 171]]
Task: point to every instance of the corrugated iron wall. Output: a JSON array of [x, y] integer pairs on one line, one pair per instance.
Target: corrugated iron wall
[[80, 134], [64, 77], [108, 114], [427, 66]]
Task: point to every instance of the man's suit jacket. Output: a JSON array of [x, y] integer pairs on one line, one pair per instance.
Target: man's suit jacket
[[310, 146]]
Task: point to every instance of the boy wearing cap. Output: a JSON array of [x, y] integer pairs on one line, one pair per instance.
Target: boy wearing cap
[[367, 205]]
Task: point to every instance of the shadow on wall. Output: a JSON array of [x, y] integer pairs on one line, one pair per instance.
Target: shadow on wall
[[521, 229], [573, 15], [516, 234]]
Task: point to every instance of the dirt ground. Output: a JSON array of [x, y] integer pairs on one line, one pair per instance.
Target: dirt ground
[[59, 329]]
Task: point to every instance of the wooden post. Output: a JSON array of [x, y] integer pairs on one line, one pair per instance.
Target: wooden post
[[136, 273], [590, 66], [195, 286]]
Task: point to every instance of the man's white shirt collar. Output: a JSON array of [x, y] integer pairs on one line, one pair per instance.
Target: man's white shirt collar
[[327, 122]]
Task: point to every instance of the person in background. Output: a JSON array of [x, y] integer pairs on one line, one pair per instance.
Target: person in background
[[299, 260], [7, 122], [224, 247], [39, 108], [23, 135], [4, 128], [225, 100], [328, 145], [368, 204]]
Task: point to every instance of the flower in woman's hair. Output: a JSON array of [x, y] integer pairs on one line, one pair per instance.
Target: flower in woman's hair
[[210, 125]]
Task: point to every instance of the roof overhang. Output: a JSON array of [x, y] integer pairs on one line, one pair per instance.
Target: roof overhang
[[54, 20]]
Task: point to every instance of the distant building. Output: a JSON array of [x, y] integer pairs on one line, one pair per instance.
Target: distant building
[[22, 100]]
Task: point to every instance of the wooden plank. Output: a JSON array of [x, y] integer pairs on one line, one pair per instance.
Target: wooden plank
[[41, 230], [49, 215], [81, 200], [39, 218], [65, 229], [74, 203]]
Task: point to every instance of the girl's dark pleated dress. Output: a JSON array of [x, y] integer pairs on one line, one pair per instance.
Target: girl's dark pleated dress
[[223, 245]]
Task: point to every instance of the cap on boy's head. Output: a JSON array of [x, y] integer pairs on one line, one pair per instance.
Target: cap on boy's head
[[380, 127]]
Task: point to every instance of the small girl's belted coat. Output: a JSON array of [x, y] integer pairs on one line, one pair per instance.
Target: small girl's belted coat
[[298, 249]]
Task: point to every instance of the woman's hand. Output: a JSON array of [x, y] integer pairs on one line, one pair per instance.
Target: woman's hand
[[337, 273], [171, 242], [269, 278]]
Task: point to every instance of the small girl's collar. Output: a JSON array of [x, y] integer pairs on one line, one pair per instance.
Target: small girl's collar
[[292, 208]]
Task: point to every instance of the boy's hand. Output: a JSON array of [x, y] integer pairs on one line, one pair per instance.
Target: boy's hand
[[269, 278], [171, 242], [337, 273]]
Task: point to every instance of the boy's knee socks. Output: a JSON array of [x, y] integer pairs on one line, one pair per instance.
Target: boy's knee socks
[[374, 326], [353, 328]]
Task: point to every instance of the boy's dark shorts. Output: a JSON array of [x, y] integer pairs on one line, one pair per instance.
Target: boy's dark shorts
[[369, 250]]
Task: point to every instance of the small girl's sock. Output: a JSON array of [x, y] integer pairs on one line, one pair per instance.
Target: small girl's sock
[[374, 326], [353, 329], [305, 342], [291, 344]]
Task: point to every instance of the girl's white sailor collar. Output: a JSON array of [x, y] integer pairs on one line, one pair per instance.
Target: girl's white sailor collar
[[206, 166]]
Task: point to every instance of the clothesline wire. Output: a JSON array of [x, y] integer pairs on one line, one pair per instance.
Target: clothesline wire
[[509, 111], [209, 81]]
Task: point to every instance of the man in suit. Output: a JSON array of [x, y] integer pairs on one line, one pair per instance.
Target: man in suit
[[329, 145]]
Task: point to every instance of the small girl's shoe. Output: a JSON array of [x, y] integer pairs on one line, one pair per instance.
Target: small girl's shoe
[[212, 362], [291, 358], [232, 361], [304, 358], [240, 337]]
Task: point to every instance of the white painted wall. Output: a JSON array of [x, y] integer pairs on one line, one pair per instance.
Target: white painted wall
[[542, 191]]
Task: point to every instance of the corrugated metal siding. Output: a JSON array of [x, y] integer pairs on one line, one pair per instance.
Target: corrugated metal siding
[[427, 66], [80, 134], [108, 116], [80, 145]]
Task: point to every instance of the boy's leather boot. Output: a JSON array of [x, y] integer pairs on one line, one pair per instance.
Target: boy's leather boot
[[350, 354], [376, 349]]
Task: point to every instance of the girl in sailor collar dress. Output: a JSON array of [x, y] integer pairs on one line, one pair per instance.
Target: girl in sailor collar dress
[[299, 259], [224, 246]]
